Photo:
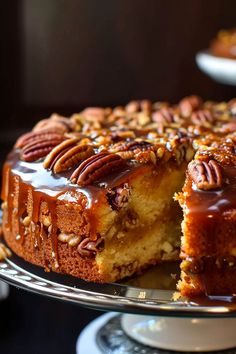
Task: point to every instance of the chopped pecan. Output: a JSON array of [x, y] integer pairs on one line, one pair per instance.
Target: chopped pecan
[[137, 106], [131, 146], [126, 155], [46, 134], [122, 134], [66, 155], [202, 117], [229, 127], [118, 197], [95, 167], [88, 248], [39, 148], [189, 104], [206, 175]]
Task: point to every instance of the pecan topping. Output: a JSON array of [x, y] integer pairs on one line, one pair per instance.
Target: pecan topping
[[67, 155], [202, 117], [206, 175], [146, 106], [39, 148], [46, 134], [164, 116], [94, 114], [189, 104], [137, 106], [95, 167], [122, 134], [118, 197], [229, 127], [132, 146], [132, 107], [232, 106], [88, 248]]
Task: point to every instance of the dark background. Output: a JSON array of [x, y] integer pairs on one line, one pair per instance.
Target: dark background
[[61, 55]]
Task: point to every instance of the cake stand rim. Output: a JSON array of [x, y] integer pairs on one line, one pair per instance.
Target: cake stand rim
[[17, 276]]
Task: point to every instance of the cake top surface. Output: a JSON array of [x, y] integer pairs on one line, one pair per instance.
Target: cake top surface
[[91, 145]]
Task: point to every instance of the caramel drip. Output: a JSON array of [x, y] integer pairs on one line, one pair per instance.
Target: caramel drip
[[22, 201], [53, 229], [43, 237], [10, 199], [208, 204], [5, 192], [5, 182], [34, 225]]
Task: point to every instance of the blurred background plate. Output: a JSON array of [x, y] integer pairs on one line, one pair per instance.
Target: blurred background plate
[[222, 70]]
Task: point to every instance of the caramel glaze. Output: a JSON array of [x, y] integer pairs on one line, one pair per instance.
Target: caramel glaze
[[32, 180], [212, 204]]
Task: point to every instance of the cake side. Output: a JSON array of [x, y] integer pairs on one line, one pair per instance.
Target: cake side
[[76, 231], [208, 244]]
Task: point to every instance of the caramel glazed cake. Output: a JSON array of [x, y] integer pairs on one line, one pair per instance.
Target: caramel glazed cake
[[92, 195]]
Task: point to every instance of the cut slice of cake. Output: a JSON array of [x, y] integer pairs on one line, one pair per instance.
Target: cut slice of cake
[[208, 245]]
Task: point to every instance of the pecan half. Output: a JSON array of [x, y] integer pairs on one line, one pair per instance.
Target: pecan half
[[206, 175], [60, 123], [39, 148], [164, 116], [66, 155], [88, 248], [94, 114], [189, 104], [202, 117], [46, 134], [95, 167]]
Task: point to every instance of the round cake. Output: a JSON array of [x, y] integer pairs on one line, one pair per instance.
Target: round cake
[[98, 195]]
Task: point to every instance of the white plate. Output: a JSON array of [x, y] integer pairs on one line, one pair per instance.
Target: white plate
[[220, 69]]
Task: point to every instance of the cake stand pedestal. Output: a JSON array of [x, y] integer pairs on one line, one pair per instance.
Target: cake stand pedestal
[[129, 334]]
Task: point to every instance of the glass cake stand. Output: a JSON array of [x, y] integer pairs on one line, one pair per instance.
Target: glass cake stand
[[151, 318], [222, 70]]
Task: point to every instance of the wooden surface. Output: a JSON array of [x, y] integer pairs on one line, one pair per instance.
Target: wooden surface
[[61, 55]]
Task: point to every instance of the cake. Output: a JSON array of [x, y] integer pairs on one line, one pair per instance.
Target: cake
[[224, 45], [98, 195]]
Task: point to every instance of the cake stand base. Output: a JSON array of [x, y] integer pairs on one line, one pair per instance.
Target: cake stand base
[[129, 334]]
